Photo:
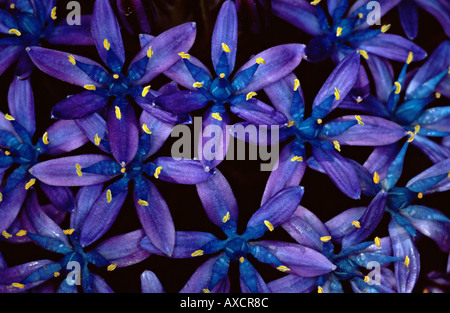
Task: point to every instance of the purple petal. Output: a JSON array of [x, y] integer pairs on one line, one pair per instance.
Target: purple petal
[[94, 126], [383, 75], [436, 230], [8, 55], [225, 31], [156, 220], [104, 25], [183, 101], [187, 172], [65, 34], [201, 277], [11, 204], [124, 250], [181, 75], [258, 113], [293, 284], [299, 13], [85, 198], [18, 273], [21, 103], [440, 168], [431, 149], [341, 224], [150, 283], [440, 9], [280, 61], [380, 159], [409, 18], [64, 136], [384, 5], [218, 199], [160, 131], [60, 197], [79, 105], [63, 171]]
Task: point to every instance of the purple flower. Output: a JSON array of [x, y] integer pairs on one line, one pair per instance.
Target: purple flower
[[103, 85], [30, 23], [203, 89], [221, 207]]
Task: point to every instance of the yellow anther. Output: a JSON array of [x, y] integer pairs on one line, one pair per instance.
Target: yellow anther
[[45, 138], [111, 267], [385, 28], [416, 129], [260, 61], [319, 121], [411, 136], [78, 168], [21, 233], [12, 6], [146, 129], [296, 84], [118, 113], [225, 47], [325, 238], [222, 75], [97, 140], [420, 195], [142, 202], [356, 224], [90, 87], [157, 171], [283, 268], [269, 225], [197, 85], [364, 54], [106, 44], [366, 279], [123, 170], [197, 253], [376, 178], [250, 95], [30, 183], [53, 13], [206, 290], [116, 76], [9, 117], [377, 241], [359, 119], [15, 32], [360, 15], [290, 123], [315, 2], [297, 159], [438, 95], [407, 260], [72, 59], [108, 196], [337, 146], [18, 285], [410, 57], [7, 152], [56, 274], [216, 116], [242, 259], [149, 52], [6, 234], [184, 55], [226, 218], [69, 231], [338, 31], [1, 197], [398, 87], [319, 289], [337, 93], [145, 91]]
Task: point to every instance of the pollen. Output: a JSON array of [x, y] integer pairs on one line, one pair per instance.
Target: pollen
[[337, 93], [297, 159], [377, 241], [225, 47], [108, 196], [222, 75], [260, 61], [376, 178], [290, 123], [216, 116], [157, 172], [359, 119], [319, 289], [116, 76], [325, 238], [438, 95], [184, 55], [69, 231], [241, 259], [296, 84], [78, 168], [315, 2], [197, 253], [15, 32], [118, 113], [12, 6], [206, 290], [250, 95], [142, 202], [198, 84], [356, 224], [90, 87], [149, 52], [21, 233], [385, 28], [337, 146], [226, 218], [145, 91], [7, 152], [53, 13], [364, 54], [407, 261], [111, 267], [338, 31], [420, 195], [18, 285], [1, 197], [9, 117], [6, 234], [416, 129], [360, 15], [411, 136], [146, 129], [30, 183], [269, 225], [72, 59], [56, 274], [366, 279], [106, 44], [410, 57], [398, 88], [97, 140], [123, 170], [283, 268], [319, 121], [45, 138]]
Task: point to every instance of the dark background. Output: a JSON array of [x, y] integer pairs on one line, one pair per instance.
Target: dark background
[[245, 177]]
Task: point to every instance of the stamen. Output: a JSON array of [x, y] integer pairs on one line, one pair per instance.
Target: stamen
[[411, 136], [106, 44], [69, 231], [146, 130], [97, 140], [297, 159], [366, 279], [30, 183], [53, 13], [376, 178], [90, 87], [197, 253], [226, 218], [377, 241], [283, 268], [269, 225], [315, 2], [360, 15], [108, 196], [359, 119], [398, 87], [56, 274], [118, 113], [123, 170], [1, 197], [225, 47], [149, 52], [116, 76], [242, 259], [385, 28], [260, 61], [45, 138], [78, 167], [364, 54], [206, 290], [290, 123], [356, 224], [337, 146], [319, 121], [337, 93], [15, 32], [319, 289], [416, 129], [111, 267], [142, 202], [438, 95], [410, 57], [7, 152], [197, 85], [296, 84], [338, 31], [216, 116], [9, 117], [325, 238], [12, 6], [184, 55], [420, 195], [250, 95], [18, 285], [72, 59], [222, 75], [21, 233], [145, 91], [157, 171], [407, 261], [6, 234]]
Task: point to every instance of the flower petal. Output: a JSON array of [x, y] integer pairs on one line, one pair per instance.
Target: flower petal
[[11, 204], [64, 136], [293, 284], [8, 55], [79, 105], [299, 13], [21, 103], [150, 283], [65, 34], [85, 198], [181, 171]]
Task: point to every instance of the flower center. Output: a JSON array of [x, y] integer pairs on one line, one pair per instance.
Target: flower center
[[236, 248], [221, 89]]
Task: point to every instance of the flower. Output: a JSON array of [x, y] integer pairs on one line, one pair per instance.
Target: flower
[[261, 70], [309, 231], [27, 23], [221, 207], [19, 153], [102, 85]]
